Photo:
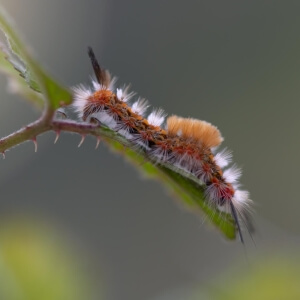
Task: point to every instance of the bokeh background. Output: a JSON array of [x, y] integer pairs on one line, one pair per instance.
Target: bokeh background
[[235, 64]]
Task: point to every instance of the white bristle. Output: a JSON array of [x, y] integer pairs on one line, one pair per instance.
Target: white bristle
[[125, 133], [159, 154], [139, 107], [120, 93], [202, 175], [96, 85], [112, 83], [105, 118], [223, 158], [157, 117], [124, 94], [232, 174], [81, 94], [241, 199], [211, 193], [140, 141]]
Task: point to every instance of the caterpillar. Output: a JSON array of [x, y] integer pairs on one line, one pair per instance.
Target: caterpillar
[[187, 144]]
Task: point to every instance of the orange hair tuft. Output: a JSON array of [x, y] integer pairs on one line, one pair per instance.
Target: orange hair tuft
[[201, 131]]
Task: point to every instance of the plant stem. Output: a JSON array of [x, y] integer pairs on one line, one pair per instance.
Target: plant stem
[[45, 123], [29, 132]]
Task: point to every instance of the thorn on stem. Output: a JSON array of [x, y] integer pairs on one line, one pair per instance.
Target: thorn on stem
[[57, 136], [98, 142], [82, 140], [35, 144]]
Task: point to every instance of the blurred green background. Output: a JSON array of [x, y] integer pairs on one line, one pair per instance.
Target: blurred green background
[[235, 64]]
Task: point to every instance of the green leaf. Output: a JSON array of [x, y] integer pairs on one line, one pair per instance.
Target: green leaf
[[55, 94], [182, 185], [17, 84]]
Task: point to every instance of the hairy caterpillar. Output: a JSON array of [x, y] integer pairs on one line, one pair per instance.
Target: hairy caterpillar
[[188, 144]]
